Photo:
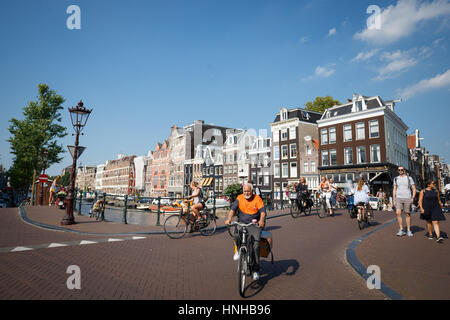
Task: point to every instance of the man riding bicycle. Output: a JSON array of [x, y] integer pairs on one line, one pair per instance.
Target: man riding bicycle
[[249, 207]]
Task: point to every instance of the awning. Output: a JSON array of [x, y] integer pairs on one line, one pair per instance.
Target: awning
[[203, 182], [208, 182]]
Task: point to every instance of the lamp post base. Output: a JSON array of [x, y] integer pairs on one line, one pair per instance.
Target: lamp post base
[[67, 222]]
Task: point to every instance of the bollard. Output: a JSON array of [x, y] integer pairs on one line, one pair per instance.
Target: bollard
[[159, 212], [281, 198], [214, 206], [79, 204], [124, 218], [102, 212]]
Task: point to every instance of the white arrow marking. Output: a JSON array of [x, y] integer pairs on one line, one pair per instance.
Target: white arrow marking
[[55, 245], [138, 238], [87, 242], [20, 249], [112, 240]]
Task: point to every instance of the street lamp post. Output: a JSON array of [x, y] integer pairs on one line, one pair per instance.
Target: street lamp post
[[79, 116], [44, 161]]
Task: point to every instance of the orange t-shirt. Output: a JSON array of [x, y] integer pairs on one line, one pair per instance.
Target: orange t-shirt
[[248, 209]]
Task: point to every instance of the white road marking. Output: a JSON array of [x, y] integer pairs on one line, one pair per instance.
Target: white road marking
[[55, 245], [87, 242], [16, 249]]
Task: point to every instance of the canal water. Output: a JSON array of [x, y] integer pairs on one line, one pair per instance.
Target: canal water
[[134, 216]]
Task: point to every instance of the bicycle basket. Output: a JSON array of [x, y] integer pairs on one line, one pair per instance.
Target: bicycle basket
[[266, 244]]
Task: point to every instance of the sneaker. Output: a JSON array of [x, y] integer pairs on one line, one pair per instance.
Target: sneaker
[[401, 233], [255, 276], [410, 234], [430, 237], [236, 256], [440, 240]]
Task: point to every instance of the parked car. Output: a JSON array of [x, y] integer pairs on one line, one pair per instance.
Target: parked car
[[2, 203], [164, 202], [220, 203]]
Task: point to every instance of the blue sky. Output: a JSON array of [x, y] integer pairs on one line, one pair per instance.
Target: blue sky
[[146, 65]]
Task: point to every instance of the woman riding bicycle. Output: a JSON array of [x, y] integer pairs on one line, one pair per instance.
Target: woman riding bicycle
[[326, 189], [302, 193], [198, 203], [361, 198]]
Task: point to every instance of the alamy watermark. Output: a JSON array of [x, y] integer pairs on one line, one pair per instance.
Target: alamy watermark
[[374, 280], [374, 21], [74, 281], [74, 20]]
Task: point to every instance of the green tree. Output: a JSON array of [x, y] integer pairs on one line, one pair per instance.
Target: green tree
[[232, 191], [321, 104], [65, 179], [38, 131]]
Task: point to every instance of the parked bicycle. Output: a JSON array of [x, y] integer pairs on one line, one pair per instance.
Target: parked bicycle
[[177, 225]]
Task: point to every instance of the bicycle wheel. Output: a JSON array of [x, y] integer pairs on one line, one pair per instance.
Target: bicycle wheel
[[372, 215], [362, 221], [242, 270], [175, 226], [308, 209], [208, 227], [295, 211], [323, 210]]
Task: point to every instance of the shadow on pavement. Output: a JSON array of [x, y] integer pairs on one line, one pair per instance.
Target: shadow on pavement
[[269, 272]]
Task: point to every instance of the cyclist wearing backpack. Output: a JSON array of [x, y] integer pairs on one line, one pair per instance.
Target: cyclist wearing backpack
[[199, 202], [403, 196]]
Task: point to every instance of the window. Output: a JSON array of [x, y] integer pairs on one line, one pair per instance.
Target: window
[[347, 132], [276, 169], [283, 134], [324, 136], [360, 132], [348, 155], [313, 166], [324, 158], [266, 180], [305, 167], [293, 150], [276, 153], [333, 157], [361, 153], [374, 129], [285, 170], [375, 153], [292, 132], [283, 115], [293, 169], [284, 151], [349, 177], [333, 135], [276, 135], [359, 106], [308, 150]]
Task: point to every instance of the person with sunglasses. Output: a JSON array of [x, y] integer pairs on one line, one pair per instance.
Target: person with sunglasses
[[403, 197]]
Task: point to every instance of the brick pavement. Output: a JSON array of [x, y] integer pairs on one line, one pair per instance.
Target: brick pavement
[[310, 263], [415, 267]]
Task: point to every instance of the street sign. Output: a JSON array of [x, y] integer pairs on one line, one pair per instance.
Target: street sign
[[43, 178], [79, 151]]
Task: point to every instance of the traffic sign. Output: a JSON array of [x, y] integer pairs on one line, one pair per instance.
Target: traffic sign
[[43, 178], [79, 151]]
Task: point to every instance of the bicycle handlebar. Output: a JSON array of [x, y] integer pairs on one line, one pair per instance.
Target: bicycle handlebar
[[233, 223]]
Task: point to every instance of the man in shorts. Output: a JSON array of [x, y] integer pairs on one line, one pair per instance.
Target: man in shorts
[[403, 196]]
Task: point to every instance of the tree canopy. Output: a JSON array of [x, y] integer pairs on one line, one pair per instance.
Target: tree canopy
[[321, 104], [38, 131]]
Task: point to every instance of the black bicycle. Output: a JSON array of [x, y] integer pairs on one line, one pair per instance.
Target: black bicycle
[[246, 255], [323, 207], [306, 209], [365, 218], [177, 225]]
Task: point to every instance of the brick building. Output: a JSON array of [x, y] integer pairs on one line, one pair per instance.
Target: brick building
[[119, 176]]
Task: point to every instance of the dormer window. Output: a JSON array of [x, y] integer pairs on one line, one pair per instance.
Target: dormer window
[[358, 106], [284, 114]]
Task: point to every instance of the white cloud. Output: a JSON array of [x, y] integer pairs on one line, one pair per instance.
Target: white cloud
[[363, 56], [321, 72], [397, 62], [303, 39], [332, 32], [437, 82], [324, 72], [402, 20]]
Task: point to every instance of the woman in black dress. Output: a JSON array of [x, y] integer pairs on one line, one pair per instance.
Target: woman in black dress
[[431, 209]]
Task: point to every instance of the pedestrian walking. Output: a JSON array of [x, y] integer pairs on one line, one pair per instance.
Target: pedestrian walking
[[403, 197], [53, 187], [431, 209]]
